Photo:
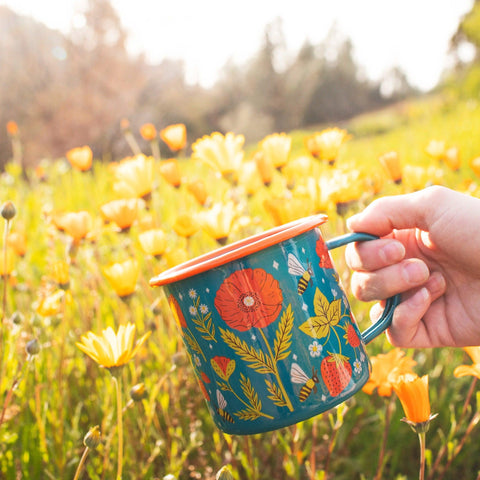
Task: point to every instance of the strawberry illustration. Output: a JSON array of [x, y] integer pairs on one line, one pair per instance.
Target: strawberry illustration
[[351, 336], [336, 372]]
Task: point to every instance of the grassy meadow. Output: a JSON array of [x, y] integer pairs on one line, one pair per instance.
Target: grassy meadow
[[80, 274]]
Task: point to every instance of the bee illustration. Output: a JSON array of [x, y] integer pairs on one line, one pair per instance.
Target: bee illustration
[[222, 403], [296, 268], [309, 383]]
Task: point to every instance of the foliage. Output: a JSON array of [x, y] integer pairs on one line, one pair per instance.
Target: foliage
[[53, 397]]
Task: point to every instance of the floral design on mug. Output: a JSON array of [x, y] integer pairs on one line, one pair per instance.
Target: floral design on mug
[[315, 349], [224, 367], [324, 256], [201, 317], [249, 298], [252, 298]]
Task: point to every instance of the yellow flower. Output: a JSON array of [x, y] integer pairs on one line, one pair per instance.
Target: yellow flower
[[80, 158], [276, 149], [51, 304], [153, 242], [175, 136], [223, 153], [110, 349], [436, 149], [249, 177], [75, 224], [325, 145], [123, 276], [148, 131], [287, 208], [412, 391], [185, 225], [386, 368], [475, 166], [175, 256], [474, 369], [122, 212], [391, 163], [134, 177], [452, 159], [60, 274], [170, 172], [218, 221]]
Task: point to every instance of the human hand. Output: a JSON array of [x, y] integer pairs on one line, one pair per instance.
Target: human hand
[[430, 253]]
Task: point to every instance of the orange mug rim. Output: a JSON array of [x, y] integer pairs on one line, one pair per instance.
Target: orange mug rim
[[239, 249]]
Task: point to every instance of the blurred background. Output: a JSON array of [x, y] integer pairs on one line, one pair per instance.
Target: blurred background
[[71, 71]]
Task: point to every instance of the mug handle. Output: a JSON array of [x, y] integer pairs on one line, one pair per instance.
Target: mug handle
[[386, 319]]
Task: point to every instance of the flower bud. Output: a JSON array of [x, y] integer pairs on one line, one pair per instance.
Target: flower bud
[[17, 317], [93, 437], [8, 210], [32, 347], [138, 392]]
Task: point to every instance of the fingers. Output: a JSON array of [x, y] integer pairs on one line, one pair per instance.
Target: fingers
[[388, 281], [374, 254], [413, 210], [408, 328]]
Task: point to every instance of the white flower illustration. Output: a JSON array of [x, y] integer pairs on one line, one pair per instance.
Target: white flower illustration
[[315, 349]]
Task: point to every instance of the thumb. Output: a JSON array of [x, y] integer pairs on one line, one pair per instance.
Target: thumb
[[382, 216]]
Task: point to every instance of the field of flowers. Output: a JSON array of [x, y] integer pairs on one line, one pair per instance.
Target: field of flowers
[[94, 378]]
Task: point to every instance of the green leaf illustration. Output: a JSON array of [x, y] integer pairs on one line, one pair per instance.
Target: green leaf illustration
[[328, 315], [284, 335]]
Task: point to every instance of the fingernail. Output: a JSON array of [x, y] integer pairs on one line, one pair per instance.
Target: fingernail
[[353, 219], [436, 283], [418, 300], [392, 252], [415, 272]]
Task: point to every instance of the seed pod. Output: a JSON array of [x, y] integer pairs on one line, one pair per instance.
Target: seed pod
[[93, 438], [8, 210], [32, 347]]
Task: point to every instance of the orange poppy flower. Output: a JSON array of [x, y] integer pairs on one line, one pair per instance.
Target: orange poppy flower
[[265, 167], [276, 148], [75, 224], [452, 159], [412, 391], [249, 298], [134, 177], [153, 242], [325, 145], [175, 136], [475, 166], [474, 369], [198, 189], [148, 131], [17, 242], [391, 162], [170, 172], [123, 277], [122, 212], [386, 368], [80, 158], [12, 128]]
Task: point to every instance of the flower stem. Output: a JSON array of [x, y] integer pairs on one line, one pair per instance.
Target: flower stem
[[421, 439], [81, 463], [388, 413], [119, 427]]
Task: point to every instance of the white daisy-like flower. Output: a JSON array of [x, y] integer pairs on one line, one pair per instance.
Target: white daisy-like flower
[[192, 310], [315, 349], [192, 293], [197, 360], [357, 366], [203, 309]]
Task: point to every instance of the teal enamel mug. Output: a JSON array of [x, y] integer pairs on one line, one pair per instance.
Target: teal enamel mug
[[269, 329]]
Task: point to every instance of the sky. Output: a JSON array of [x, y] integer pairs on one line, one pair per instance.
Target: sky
[[205, 34]]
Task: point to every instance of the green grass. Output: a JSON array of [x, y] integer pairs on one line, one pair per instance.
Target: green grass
[[59, 394]]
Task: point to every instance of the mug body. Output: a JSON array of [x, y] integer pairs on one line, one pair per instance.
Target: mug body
[[270, 335]]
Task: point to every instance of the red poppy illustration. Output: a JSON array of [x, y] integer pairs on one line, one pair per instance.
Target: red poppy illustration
[[249, 298], [177, 312], [223, 366], [322, 252]]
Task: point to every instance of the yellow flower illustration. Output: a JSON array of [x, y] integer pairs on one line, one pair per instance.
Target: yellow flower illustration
[[112, 349]]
